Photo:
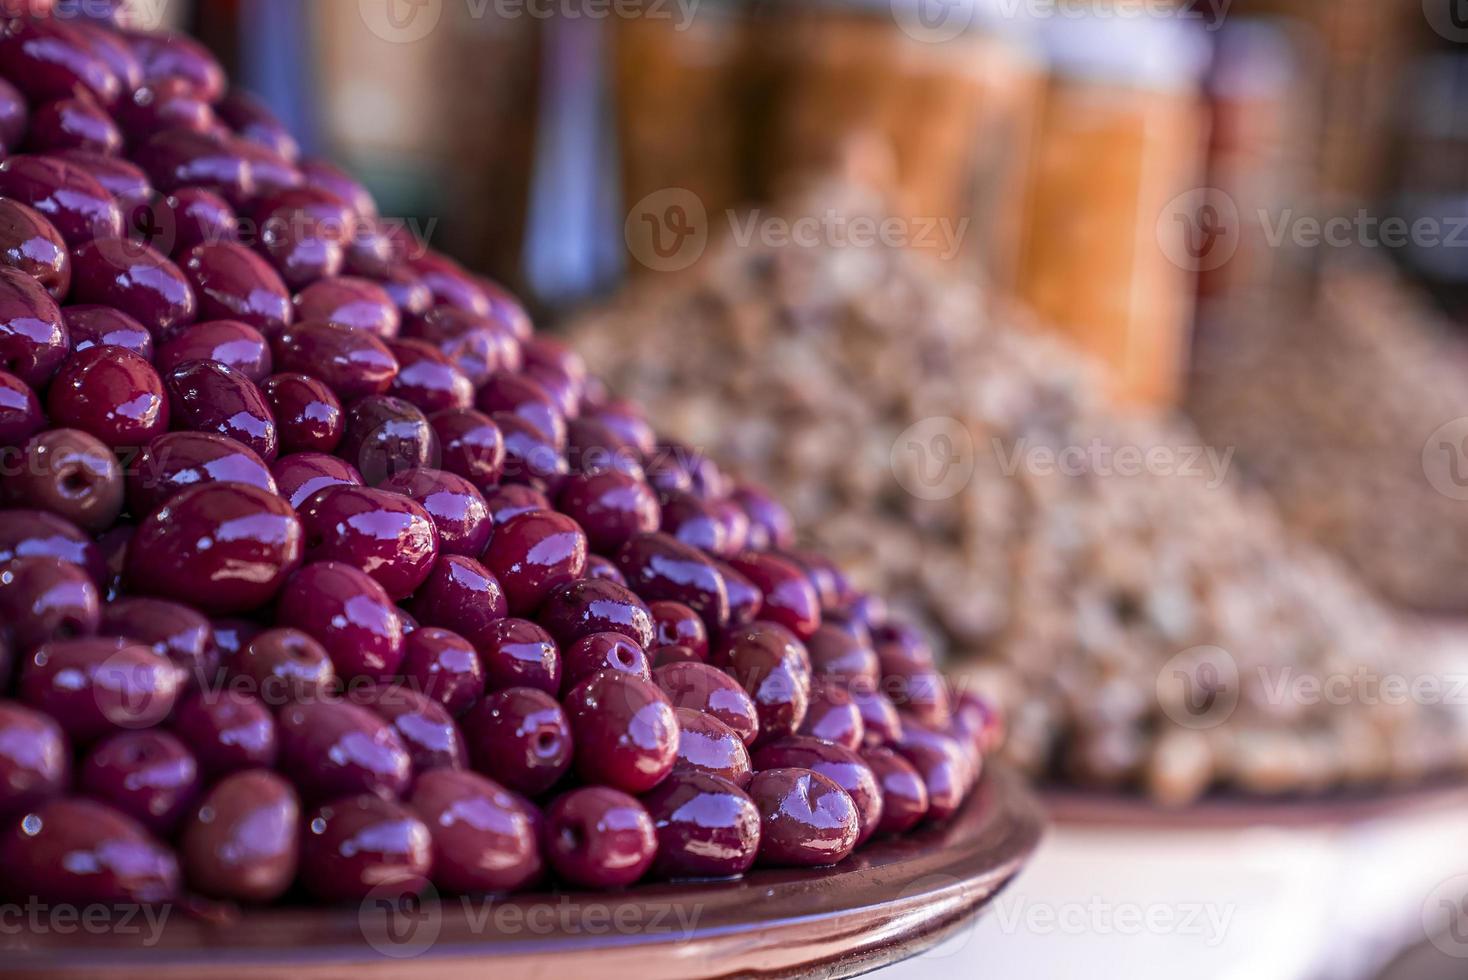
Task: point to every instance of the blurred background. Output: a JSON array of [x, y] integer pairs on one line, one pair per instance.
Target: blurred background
[[1122, 342]]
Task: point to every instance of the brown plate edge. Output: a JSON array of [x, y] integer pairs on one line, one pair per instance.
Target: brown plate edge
[[892, 900]]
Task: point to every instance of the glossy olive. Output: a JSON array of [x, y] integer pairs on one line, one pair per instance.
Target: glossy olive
[[242, 841], [521, 737], [209, 396], [706, 827], [175, 461], [223, 547], [347, 612], [70, 474]]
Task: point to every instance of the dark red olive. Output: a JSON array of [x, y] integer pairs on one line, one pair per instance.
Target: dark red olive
[[837, 653], [942, 763], [300, 475], [46, 599], [710, 690], [252, 120], [364, 845], [327, 176], [150, 776], [228, 730], [32, 245], [901, 646], [659, 566], [35, 762], [109, 46], [677, 625], [474, 344], [770, 525], [110, 393], [223, 547], [371, 254], [332, 749], [472, 446], [190, 216], [706, 744], [350, 302], [693, 521], [180, 158], [904, 794], [94, 326], [520, 737], [879, 719], [13, 114], [444, 666], [308, 415], [79, 852], [518, 653], [347, 612], [428, 379], [77, 123], [736, 527], [978, 719], [209, 396], [162, 105], [602, 651], [70, 474], [20, 411], [806, 819], [230, 342], [588, 606], [833, 716], [177, 632], [515, 394], [233, 283], [452, 286], [531, 457], [514, 499], [94, 687], [831, 585], [484, 837], [27, 533], [304, 231], [46, 59], [601, 567], [283, 666], [424, 726], [231, 636], [706, 827], [242, 841], [33, 336], [534, 553], [456, 507], [596, 837], [841, 765], [745, 601], [79, 207], [175, 461], [353, 363], [164, 56], [386, 535], [770, 664], [386, 436], [462, 595], [136, 279], [625, 731], [789, 598], [623, 418], [611, 506]]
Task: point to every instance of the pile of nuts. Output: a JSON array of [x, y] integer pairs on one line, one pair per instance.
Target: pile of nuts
[[322, 575], [1149, 622], [1354, 416]]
